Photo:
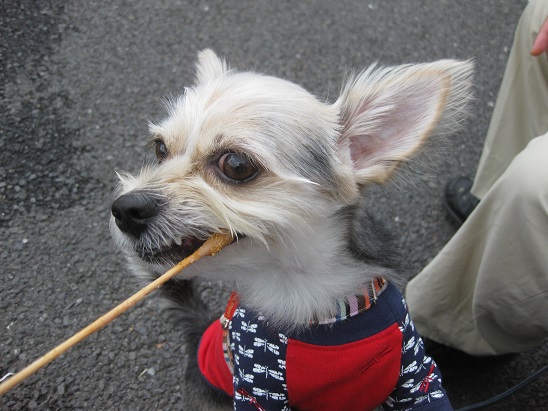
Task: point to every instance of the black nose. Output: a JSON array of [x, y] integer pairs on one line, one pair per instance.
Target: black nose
[[134, 211]]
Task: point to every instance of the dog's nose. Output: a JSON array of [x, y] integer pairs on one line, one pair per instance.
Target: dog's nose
[[133, 211]]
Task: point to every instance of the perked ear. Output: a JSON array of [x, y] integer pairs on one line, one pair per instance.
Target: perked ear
[[387, 114], [209, 66]]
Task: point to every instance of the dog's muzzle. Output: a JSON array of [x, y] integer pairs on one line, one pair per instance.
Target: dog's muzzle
[[135, 214]]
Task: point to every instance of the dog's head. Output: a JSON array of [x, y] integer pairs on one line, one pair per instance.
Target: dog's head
[[264, 159]]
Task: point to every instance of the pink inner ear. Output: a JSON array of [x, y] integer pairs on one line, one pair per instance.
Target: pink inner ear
[[362, 149], [393, 142], [393, 130], [369, 151]]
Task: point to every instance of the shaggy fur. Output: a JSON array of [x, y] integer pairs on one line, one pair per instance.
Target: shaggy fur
[[304, 237]]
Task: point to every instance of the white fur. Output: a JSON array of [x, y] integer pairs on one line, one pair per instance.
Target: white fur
[[314, 158]]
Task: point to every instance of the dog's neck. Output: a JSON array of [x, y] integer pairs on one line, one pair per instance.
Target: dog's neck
[[301, 275]]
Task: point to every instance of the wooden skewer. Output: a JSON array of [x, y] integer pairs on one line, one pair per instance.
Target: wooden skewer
[[213, 245]]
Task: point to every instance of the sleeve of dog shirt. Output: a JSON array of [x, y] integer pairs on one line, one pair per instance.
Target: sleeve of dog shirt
[[259, 364], [419, 386]]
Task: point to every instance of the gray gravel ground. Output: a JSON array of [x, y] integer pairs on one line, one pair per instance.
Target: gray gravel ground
[[79, 82]]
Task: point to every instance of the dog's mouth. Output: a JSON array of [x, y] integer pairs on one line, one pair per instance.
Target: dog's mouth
[[175, 252]]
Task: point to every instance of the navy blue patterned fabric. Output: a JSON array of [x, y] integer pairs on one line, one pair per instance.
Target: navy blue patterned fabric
[[419, 386], [259, 355]]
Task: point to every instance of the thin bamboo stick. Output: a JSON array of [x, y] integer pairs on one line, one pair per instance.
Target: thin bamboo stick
[[213, 245]]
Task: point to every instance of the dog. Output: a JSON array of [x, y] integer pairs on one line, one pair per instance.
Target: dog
[[316, 321]]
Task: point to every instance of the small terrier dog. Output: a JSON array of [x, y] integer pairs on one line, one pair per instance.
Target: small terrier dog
[[316, 321]]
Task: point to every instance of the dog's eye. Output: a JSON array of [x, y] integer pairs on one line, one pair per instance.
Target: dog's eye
[[237, 167], [161, 150]]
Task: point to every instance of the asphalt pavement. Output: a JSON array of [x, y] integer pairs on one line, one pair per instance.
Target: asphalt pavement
[[80, 81]]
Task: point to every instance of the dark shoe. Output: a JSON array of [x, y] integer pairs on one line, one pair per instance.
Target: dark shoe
[[456, 363], [459, 201]]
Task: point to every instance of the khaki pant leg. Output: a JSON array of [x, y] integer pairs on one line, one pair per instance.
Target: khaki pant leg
[[521, 110], [486, 292]]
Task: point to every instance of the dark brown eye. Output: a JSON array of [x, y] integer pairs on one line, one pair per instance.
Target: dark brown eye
[[237, 167], [161, 150]]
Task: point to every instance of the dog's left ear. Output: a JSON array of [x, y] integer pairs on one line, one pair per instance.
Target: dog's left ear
[[209, 66], [387, 114]]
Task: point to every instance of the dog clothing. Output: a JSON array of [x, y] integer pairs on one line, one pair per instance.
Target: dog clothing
[[368, 355]]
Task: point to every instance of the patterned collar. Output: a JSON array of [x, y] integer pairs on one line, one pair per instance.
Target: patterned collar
[[346, 307], [356, 304]]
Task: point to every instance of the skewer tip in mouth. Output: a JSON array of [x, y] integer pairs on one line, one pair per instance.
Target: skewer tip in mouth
[[216, 243], [184, 248]]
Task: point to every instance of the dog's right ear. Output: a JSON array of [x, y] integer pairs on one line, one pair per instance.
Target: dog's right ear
[[387, 114], [209, 66]]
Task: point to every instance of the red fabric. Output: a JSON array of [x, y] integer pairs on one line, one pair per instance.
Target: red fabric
[[211, 359], [363, 372]]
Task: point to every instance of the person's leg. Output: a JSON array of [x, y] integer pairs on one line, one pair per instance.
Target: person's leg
[[521, 110], [486, 292]]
